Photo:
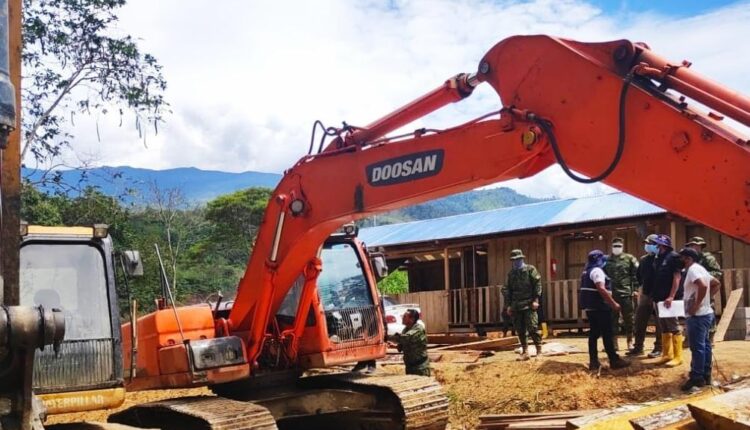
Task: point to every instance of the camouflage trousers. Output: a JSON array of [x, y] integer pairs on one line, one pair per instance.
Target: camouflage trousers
[[420, 369], [628, 315], [527, 321]]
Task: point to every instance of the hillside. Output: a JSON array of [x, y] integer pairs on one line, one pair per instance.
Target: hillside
[[132, 185], [470, 201], [196, 185]]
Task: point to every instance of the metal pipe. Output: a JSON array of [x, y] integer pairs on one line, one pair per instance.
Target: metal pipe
[[453, 90], [277, 236], [169, 292], [703, 90]]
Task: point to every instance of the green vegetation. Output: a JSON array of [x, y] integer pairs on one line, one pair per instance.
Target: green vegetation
[[470, 201], [396, 282], [204, 248]]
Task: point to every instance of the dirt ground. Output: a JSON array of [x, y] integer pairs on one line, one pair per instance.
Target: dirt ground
[[500, 384]]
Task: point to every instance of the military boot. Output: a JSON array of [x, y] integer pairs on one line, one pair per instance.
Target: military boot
[[618, 363], [538, 347]]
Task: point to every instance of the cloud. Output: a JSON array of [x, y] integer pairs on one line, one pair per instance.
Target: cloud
[[247, 79]]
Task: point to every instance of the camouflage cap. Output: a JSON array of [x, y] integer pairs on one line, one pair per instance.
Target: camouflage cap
[[697, 240], [651, 238], [516, 254], [618, 240]]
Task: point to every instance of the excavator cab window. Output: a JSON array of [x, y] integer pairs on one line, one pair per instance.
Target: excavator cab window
[[342, 283], [70, 278], [345, 295], [74, 275]]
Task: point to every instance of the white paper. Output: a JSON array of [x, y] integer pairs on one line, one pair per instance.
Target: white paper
[[676, 310]]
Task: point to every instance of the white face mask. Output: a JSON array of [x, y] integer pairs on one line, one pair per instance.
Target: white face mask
[[616, 250]]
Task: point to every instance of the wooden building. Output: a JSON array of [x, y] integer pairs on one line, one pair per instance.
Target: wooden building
[[457, 265]]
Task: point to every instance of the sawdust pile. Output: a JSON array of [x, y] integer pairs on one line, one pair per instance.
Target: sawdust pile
[[500, 384]]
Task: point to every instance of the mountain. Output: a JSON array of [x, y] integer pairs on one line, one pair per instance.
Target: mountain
[[196, 185], [470, 201], [133, 185]]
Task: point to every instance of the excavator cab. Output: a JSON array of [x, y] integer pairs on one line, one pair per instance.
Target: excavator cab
[[73, 269]]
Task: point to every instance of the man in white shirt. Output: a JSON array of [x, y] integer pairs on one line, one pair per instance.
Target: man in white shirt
[[699, 287]]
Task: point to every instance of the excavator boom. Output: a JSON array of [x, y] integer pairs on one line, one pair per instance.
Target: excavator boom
[[607, 110], [613, 111]]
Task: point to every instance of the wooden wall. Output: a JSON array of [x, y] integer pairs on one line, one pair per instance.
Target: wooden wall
[[498, 262]]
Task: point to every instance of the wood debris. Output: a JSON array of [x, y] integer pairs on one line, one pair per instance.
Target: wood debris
[[543, 421], [502, 344], [727, 314]]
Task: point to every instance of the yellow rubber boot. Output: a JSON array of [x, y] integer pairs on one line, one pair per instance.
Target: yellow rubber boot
[[545, 331], [677, 341], [667, 352]]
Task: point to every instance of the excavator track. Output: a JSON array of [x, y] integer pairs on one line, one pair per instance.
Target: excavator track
[[336, 400], [201, 412], [423, 403]]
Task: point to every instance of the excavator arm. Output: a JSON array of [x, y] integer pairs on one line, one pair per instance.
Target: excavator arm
[[613, 111]]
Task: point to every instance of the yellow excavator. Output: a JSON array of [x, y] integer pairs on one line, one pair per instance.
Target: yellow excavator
[[74, 269]]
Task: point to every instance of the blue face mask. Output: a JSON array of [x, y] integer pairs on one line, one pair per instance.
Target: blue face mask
[[518, 263], [651, 248]]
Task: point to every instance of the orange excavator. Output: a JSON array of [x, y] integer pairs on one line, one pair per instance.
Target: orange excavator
[[615, 112]]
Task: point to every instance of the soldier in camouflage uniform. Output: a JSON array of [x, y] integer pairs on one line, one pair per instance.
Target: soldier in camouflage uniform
[[521, 294], [621, 268], [412, 341], [708, 261]]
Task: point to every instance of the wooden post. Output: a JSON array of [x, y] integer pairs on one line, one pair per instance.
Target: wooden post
[[548, 257], [446, 269], [10, 169]]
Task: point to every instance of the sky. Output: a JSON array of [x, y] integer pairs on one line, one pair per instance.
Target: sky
[[247, 79]]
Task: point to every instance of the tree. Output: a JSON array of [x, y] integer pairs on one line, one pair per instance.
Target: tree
[[236, 218], [396, 282], [39, 208], [73, 64]]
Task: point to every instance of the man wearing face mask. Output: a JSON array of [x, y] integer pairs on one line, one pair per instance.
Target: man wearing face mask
[[521, 294], [668, 268], [595, 297], [645, 309], [621, 269]]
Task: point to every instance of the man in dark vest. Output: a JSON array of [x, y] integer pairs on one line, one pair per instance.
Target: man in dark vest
[[596, 299]]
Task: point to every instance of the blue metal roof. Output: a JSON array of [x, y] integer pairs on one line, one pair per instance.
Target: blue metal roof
[[516, 218]]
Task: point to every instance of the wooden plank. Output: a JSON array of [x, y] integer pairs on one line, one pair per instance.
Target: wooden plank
[[482, 345], [565, 299], [619, 418], [451, 339], [725, 411], [574, 300], [659, 420], [727, 315]]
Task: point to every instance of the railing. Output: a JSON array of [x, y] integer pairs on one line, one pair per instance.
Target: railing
[[352, 327], [483, 305], [81, 364]]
